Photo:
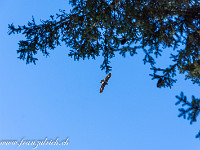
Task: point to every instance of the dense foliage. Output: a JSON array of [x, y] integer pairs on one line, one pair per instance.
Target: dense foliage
[[103, 27]]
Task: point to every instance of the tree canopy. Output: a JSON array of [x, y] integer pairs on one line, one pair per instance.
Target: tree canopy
[[105, 27]]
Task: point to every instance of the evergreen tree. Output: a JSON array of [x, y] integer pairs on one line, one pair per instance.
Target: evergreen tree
[[103, 27]]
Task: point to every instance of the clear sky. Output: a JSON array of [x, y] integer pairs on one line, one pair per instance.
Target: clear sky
[[59, 97]]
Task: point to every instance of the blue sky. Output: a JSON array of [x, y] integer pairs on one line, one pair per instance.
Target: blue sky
[[59, 97]]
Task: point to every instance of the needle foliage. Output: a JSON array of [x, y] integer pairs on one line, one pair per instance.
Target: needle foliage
[[102, 28]]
